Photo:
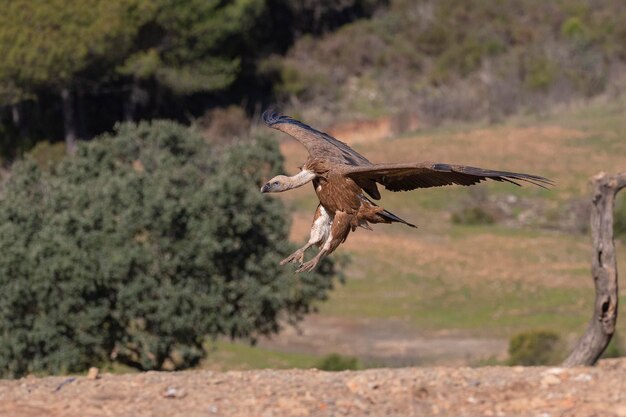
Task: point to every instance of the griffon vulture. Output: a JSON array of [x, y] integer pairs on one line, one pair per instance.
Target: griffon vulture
[[341, 177]]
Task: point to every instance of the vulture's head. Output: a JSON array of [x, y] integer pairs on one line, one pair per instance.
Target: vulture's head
[[276, 185]]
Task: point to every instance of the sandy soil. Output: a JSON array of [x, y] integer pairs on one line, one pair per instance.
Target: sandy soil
[[490, 391]]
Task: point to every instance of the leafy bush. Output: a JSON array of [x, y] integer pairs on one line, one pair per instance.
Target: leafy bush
[[535, 347], [540, 73], [336, 362], [619, 222], [138, 248], [46, 154], [574, 28]]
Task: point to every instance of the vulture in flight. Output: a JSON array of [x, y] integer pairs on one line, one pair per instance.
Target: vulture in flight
[[342, 177]]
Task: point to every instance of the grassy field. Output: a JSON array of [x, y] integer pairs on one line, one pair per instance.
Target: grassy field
[[484, 281], [224, 355]]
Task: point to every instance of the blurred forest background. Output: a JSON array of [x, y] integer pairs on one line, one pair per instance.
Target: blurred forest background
[[74, 69], [129, 251]]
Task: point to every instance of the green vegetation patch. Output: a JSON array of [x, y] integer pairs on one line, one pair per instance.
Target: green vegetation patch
[[535, 348], [225, 355], [438, 303], [619, 221], [336, 362]]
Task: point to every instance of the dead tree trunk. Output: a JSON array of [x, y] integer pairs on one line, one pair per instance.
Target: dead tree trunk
[[604, 270]]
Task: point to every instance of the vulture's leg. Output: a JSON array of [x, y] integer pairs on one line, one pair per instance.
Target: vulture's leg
[[338, 234], [319, 233]]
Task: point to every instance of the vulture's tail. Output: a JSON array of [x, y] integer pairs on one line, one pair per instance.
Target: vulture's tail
[[378, 215], [393, 218]]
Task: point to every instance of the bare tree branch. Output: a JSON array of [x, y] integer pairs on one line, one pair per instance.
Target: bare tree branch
[[604, 270]]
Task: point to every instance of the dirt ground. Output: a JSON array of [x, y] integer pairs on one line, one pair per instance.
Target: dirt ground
[[488, 391]]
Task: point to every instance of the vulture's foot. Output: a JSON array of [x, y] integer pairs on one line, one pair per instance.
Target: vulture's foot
[[309, 266], [296, 256]]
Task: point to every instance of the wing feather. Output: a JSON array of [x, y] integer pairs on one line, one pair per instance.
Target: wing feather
[[318, 144], [405, 177]]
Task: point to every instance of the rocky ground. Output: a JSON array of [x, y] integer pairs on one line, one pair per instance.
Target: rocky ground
[[439, 391]]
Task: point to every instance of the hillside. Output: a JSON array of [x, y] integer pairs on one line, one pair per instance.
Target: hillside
[[490, 391], [450, 60]]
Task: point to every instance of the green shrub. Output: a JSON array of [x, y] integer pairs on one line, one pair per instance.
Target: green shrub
[[336, 362], [433, 40], [615, 349], [46, 154], [474, 215], [293, 82], [462, 58], [574, 28], [540, 73], [138, 248], [619, 221], [535, 347]]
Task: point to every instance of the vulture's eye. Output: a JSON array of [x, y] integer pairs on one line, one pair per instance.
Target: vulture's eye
[[275, 183]]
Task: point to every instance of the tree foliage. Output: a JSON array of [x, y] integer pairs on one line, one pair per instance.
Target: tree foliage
[[74, 69], [59, 47], [189, 46], [49, 43], [139, 247], [193, 46]]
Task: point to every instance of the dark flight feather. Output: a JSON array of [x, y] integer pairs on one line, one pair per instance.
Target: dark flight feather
[[405, 177]]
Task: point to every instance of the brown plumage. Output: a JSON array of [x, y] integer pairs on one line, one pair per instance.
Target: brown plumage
[[340, 176]]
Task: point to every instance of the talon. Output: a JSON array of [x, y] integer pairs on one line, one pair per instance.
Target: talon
[[308, 266], [296, 256]]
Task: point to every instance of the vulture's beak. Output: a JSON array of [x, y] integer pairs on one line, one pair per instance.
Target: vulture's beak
[[265, 188]]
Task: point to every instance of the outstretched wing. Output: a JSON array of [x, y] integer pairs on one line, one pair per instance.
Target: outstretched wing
[[405, 177], [318, 144]]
